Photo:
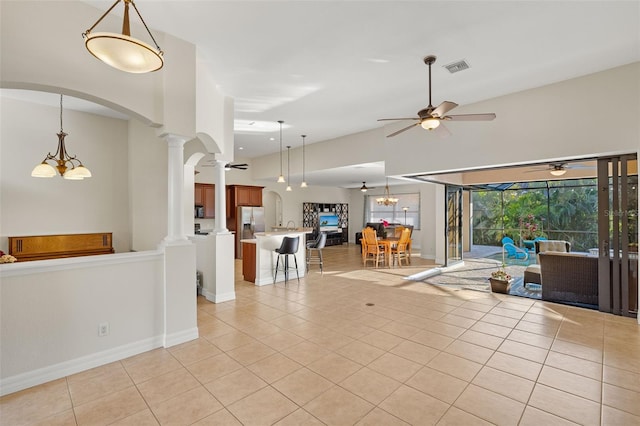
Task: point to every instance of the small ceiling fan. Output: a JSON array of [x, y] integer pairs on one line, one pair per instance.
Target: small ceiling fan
[[228, 166], [559, 169], [243, 166], [431, 117]]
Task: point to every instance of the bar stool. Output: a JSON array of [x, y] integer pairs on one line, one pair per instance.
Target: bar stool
[[288, 247], [314, 251]]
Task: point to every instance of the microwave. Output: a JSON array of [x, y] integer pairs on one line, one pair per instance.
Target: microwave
[[199, 212]]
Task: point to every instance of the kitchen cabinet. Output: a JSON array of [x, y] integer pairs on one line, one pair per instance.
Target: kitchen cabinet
[[243, 195], [205, 196]]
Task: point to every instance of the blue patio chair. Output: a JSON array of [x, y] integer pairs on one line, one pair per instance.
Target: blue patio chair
[[507, 240], [515, 251]]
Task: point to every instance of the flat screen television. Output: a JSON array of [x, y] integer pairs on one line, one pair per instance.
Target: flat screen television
[[328, 222]]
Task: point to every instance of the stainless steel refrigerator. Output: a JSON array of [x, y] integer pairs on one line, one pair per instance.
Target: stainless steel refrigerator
[[249, 221]]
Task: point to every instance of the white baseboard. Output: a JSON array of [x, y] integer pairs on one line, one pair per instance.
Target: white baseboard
[[180, 337], [46, 374], [224, 297], [219, 298]]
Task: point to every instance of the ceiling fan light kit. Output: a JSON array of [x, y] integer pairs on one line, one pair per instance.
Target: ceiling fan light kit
[[431, 118], [363, 188], [430, 123]]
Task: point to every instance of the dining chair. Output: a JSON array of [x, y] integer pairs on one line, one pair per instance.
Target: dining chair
[[371, 249], [397, 232], [401, 249]]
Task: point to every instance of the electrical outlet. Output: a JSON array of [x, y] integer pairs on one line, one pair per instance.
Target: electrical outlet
[[103, 329]]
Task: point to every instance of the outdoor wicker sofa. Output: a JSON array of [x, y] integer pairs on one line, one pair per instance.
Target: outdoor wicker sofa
[[569, 278], [532, 273]]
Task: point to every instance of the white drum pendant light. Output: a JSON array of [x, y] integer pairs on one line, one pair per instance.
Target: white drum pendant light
[[122, 51]]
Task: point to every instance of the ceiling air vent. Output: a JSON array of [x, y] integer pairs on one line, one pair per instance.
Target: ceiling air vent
[[457, 66]]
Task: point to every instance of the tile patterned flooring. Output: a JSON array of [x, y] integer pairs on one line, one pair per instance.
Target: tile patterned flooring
[[362, 346]]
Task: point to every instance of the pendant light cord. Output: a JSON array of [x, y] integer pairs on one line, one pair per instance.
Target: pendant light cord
[[303, 136], [288, 166], [61, 131], [280, 121]]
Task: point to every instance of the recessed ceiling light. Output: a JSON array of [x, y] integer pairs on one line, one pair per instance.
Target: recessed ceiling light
[[272, 139], [240, 148]]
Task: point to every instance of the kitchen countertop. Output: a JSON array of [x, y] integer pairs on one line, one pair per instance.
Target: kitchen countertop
[[284, 231]]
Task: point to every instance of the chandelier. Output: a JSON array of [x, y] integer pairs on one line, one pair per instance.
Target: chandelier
[[387, 200], [68, 166], [122, 51]]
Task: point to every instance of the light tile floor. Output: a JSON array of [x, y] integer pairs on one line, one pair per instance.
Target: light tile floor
[[363, 346]]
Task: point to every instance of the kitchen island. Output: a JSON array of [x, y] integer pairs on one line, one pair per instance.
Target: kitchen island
[[263, 263]]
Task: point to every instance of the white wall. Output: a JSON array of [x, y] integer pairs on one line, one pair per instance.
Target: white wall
[[42, 48], [583, 117], [41, 206], [147, 187], [50, 312]]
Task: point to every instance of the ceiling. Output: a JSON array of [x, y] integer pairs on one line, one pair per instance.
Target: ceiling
[[332, 68]]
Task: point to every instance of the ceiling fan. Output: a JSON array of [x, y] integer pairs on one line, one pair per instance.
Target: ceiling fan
[[364, 187], [229, 166], [559, 169], [431, 117], [243, 166]]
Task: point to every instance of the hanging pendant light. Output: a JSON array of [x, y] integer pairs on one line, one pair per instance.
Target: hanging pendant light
[[304, 182], [387, 200], [122, 51], [281, 177], [288, 170], [68, 166]]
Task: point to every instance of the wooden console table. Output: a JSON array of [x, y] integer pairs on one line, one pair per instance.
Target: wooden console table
[[41, 247]]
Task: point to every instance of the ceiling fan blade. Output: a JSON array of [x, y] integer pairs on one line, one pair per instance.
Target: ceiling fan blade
[[402, 130], [242, 166], [579, 166], [442, 131], [443, 108], [394, 119], [471, 117]]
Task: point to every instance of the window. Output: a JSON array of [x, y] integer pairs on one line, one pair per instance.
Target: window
[[405, 212]]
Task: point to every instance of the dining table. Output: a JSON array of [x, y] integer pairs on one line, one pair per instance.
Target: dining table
[[390, 242]]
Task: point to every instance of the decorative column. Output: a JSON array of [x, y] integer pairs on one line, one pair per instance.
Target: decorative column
[[175, 211], [221, 199]]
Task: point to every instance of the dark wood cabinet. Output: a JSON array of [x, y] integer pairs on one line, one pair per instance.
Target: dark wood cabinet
[[205, 196], [243, 195], [199, 195]]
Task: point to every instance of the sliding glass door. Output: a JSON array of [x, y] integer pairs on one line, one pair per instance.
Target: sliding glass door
[[453, 232]]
